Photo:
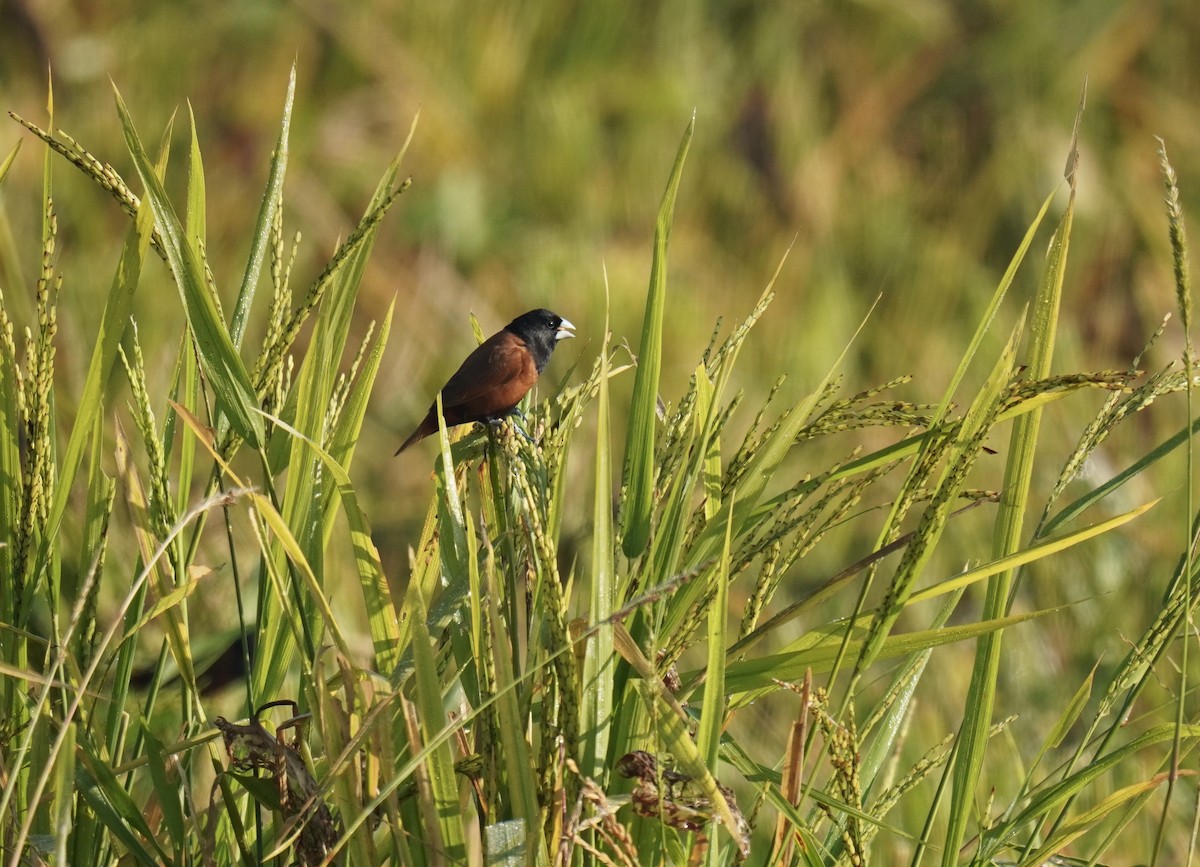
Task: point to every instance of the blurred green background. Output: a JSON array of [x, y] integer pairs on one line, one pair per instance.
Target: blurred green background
[[897, 149]]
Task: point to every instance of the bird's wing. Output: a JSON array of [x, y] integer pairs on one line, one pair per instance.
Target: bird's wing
[[496, 362]]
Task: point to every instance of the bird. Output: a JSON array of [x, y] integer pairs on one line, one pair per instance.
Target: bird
[[491, 382]]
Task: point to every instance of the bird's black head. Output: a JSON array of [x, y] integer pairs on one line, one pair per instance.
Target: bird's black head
[[541, 330]]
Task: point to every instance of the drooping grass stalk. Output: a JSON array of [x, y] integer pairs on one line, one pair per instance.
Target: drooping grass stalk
[[1177, 231]]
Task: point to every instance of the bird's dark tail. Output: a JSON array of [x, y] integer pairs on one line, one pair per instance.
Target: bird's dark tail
[[423, 430]]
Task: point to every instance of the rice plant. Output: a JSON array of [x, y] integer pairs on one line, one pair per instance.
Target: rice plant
[[508, 695]]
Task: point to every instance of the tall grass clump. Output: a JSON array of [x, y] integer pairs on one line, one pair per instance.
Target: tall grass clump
[[510, 695]]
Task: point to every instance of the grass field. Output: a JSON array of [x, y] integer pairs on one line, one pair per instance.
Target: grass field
[[868, 497]]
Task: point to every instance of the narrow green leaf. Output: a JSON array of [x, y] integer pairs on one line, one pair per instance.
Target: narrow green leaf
[[381, 613], [308, 488], [447, 838], [185, 384], [1046, 799], [1028, 555], [167, 790], [451, 518], [1079, 825], [712, 712], [1070, 713], [599, 661], [8, 160], [1073, 510], [764, 671], [638, 475], [304, 501], [197, 210], [971, 746], [292, 548], [65, 804], [511, 723], [183, 589], [272, 198], [230, 383], [116, 810]]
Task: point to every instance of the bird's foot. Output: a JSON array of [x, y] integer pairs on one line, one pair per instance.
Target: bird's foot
[[512, 417]]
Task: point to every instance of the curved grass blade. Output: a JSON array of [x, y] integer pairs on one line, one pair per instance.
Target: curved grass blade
[[1028, 555], [1073, 510], [112, 326], [382, 617], [767, 671], [230, 382], [1043, 801]]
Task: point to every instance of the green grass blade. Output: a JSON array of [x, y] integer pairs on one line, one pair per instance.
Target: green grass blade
[[451, 518], [599, 662], [1028, 555], [10, 470], [261, 240], [230, 383], [8, 160], [65, 769], [518, 760], [302, 507], [764, 671], [168, 792], [381, 613], [282, 532], [993, 307], [1074, 509], [1045, 800], [712, 712], [197, 209], [117, 811], [446, 838], [1067, 833], [304, 497], [1067, 719], [638, 474], [981, 691]]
